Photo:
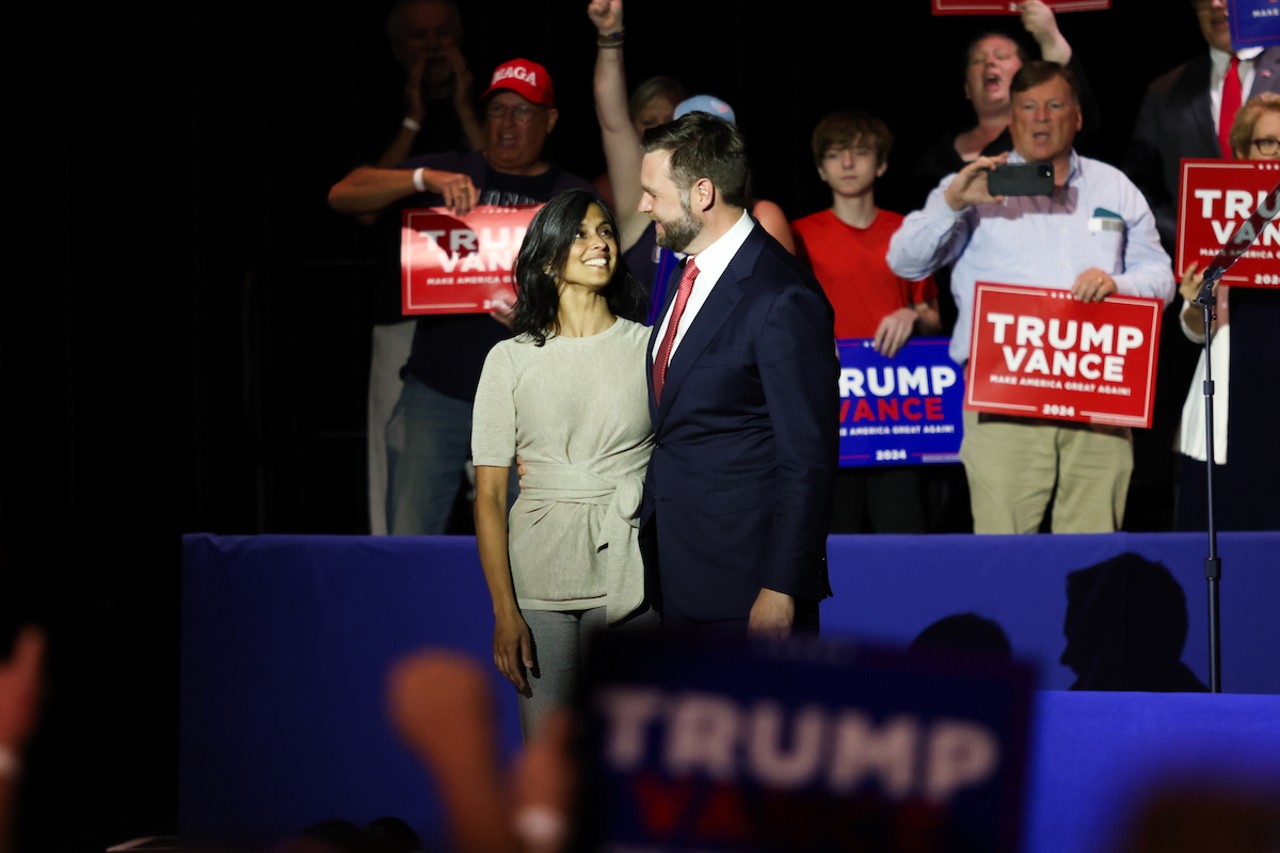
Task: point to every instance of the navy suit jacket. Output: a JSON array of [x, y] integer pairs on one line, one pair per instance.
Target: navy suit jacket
[[1176, 122], [739, 487]]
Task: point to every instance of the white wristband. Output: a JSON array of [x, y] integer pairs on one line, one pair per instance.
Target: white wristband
[[419, 184], [411, 124]]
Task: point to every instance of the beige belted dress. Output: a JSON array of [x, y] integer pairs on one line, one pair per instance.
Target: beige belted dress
[[576, 412]]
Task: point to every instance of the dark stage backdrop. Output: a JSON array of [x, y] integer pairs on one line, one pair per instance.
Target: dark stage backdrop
[[184, 326]]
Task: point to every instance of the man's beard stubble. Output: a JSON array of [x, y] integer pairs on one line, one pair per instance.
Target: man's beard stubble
[[676, 235]]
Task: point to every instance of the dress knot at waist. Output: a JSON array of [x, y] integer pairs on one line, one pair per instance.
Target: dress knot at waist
[[545, 484], [564, 483]]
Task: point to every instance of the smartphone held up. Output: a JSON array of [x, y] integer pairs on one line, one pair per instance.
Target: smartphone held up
[[1021, 179]]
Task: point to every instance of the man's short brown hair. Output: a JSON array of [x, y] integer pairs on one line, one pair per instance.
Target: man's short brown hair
[[703, 146]]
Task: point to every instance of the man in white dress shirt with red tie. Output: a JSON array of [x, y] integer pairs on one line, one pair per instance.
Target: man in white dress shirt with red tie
[[744, 399]]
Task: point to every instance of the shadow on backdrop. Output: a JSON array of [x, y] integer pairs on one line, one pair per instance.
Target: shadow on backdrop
[[967, 634], [1126, 626]]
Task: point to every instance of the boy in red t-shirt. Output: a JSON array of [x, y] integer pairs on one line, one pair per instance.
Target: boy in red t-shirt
[[846, 246]]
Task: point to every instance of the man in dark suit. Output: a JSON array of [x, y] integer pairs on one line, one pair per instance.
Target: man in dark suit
[[743, 394], [1179, 118]]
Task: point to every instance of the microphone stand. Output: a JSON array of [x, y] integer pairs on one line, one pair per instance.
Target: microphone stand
[[1212, 563], [1248, 232]]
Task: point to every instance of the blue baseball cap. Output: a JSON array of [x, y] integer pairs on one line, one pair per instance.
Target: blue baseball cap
[[706, 104]]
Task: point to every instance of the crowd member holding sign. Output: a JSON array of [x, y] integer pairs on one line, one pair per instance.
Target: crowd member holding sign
[[449, 350], [568, 395], [743, 396], [1094, 236], [845, 247], [434, 111], [1246, 355], [845, 244], [990, 61]]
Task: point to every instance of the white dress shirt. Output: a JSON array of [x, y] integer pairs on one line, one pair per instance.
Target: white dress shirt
[[1219, 60], [712, 262], [1099, 219]]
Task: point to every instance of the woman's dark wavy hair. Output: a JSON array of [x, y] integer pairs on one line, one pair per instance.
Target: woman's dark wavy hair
[[542, 256]]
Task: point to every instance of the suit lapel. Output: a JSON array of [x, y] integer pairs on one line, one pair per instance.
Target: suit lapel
[[1199, 106], [1266, 78], [1266, 73], [669, 297]]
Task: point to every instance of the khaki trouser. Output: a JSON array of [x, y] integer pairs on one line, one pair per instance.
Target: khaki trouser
[[1016, 466]]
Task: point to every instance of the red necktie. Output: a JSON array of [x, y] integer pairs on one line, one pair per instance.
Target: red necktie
[[1230, 103], [663, 357]]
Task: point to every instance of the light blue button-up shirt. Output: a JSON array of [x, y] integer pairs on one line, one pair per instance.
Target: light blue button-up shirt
[[1097, 219]]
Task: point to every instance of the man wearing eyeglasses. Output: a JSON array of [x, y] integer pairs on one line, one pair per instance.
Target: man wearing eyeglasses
[[448, 350]]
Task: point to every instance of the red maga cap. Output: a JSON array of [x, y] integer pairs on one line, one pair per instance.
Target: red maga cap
[[527, 79]]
